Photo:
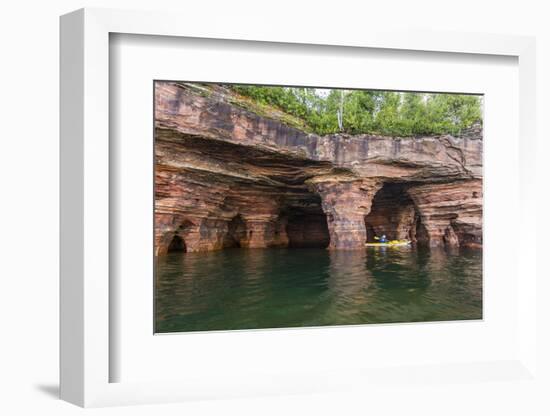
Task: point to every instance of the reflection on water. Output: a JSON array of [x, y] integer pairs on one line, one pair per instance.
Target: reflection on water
[[274, 288]]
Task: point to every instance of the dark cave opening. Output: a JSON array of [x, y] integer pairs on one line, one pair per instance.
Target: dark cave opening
[[392, 214], [370, 232], [307, 229], [177, 244]]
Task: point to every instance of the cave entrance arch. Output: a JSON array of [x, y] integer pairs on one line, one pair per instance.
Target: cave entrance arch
[[177, 244], [392, 214], [307, 228], [176, 240]]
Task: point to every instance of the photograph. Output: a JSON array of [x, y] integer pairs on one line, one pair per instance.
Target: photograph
[[301, 206]]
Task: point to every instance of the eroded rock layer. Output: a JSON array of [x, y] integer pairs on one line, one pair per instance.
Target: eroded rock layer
[[229, 177]]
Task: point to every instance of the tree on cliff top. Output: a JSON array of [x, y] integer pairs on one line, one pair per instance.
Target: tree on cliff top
[[326, 111]]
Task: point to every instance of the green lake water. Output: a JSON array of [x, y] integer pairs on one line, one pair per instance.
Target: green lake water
[[281, 288]]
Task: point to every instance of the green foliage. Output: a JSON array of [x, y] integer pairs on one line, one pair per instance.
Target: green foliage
[[363, 111]]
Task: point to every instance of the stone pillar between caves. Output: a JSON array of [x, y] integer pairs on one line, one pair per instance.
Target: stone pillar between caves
[[207, 236], [346, 203], [264, 231]]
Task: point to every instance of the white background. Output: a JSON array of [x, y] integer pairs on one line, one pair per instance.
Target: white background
[[29, 172]]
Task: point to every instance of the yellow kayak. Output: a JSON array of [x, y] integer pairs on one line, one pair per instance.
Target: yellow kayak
[[391, 243]]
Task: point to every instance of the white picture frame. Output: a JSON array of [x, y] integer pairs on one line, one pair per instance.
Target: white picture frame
[[85, 217]]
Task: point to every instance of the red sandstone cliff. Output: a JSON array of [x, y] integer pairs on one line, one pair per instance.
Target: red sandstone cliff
[[227, 176]]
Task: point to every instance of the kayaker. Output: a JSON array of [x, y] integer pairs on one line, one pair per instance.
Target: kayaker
[[383, 239]]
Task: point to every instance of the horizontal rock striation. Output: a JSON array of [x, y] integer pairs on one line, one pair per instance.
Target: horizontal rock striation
[[451, 213], [228, 176]]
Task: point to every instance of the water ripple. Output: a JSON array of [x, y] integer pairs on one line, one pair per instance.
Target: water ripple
[[272, 288]]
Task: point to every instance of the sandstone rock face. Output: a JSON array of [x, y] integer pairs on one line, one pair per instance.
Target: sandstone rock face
[[346, 203], [226, 176], [451, 212]]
